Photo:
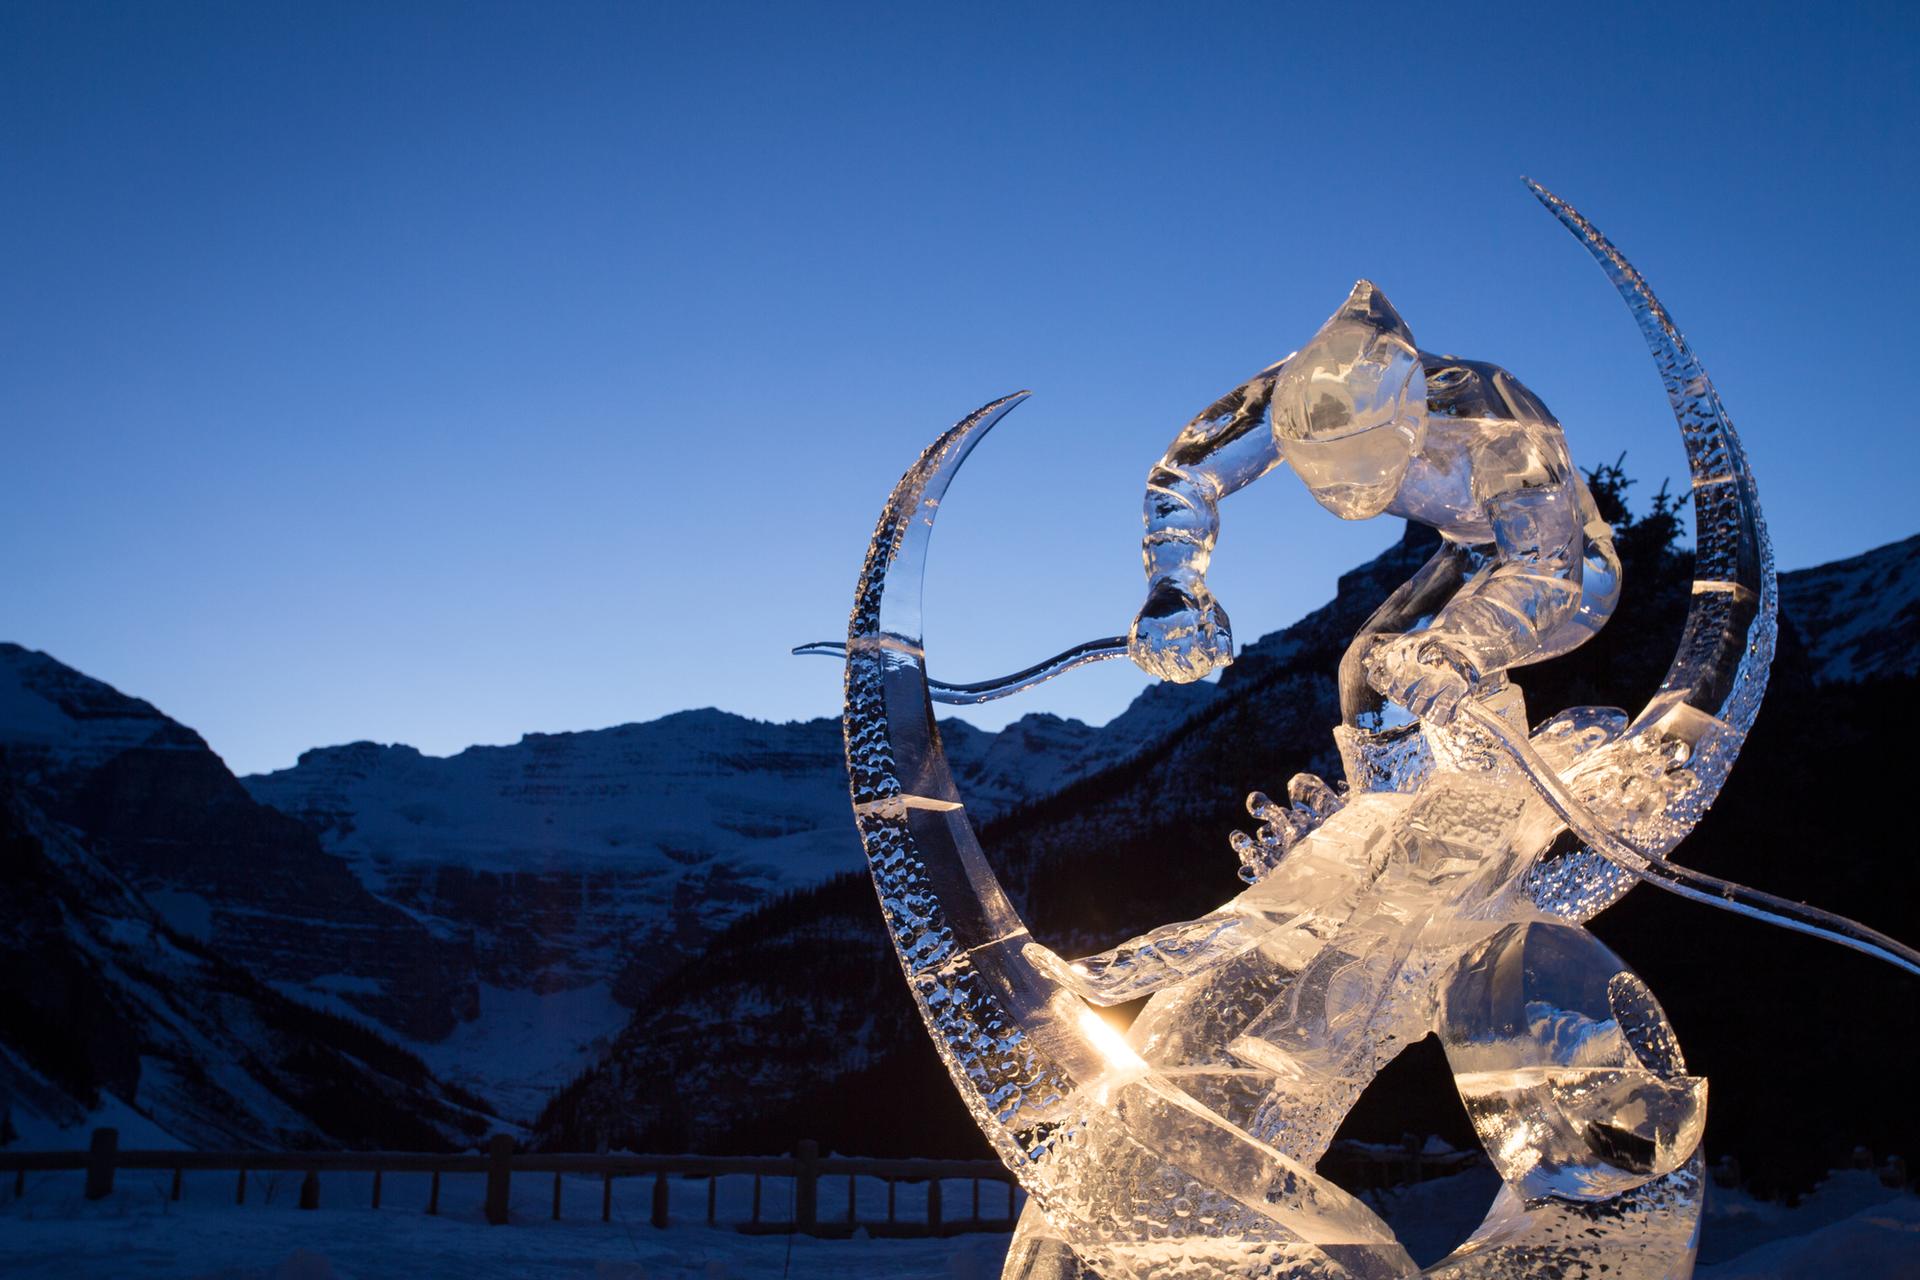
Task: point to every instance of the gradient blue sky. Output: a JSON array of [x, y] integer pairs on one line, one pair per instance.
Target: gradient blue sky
[[439, 373]]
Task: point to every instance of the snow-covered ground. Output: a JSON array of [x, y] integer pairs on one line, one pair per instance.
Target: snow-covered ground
[[54, 1233], [1852, 1227]]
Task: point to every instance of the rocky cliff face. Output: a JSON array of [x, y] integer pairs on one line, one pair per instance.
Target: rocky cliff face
[[106, 1008], [1858, 617], [146, 796]]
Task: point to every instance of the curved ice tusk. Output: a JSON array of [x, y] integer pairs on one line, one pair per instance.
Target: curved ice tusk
[[1067, 1110], [966, 695], [1674, 878]]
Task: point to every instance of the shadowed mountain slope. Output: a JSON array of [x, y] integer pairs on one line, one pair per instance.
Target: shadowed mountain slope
[[104, 1004]]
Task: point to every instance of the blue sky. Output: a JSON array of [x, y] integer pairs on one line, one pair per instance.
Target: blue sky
[[440, 373]]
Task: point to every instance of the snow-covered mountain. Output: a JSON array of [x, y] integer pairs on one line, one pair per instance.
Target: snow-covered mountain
[[1858, 617], [695, 789], [701, 792], [500, 911], [580, 868]]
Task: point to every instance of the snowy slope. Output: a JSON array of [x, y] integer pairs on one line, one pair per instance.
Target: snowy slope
[[1858, 617], [110, 1016], [146, 796], [673, 793], [582, 867], [57, 725], [687, 790]]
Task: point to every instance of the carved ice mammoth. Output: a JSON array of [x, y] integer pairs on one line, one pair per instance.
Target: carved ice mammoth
[[1425, 899]]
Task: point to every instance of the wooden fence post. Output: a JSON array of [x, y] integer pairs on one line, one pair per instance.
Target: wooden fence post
[[100, 1158], [933, 1204], [174, 1195], [310, 1190], [499, 1176], [806, 1185], [376, 1187], [433, 1195], [240, 1187], [713, 1194], [556, 1196], [606, 1198], [659, 1200]]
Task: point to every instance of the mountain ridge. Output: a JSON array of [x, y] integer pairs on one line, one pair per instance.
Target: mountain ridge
[[1857, 616]]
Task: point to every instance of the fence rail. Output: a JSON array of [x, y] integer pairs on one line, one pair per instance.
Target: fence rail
[[1353, 1164], [501, 1163]]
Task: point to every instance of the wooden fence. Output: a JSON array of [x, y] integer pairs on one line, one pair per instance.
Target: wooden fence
[[1353, 1164], [500, 1163]]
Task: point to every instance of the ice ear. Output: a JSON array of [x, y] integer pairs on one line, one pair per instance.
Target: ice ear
[[1368, 306]]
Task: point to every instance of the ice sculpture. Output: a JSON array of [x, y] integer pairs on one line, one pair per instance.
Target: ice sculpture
[[1421, 896]]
